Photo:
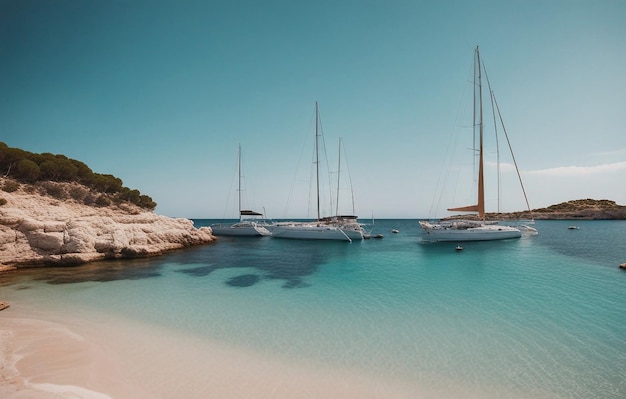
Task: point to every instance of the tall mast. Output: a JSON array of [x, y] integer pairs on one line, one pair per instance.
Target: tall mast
[[481, 183], [239, 172], [480, 206], [317, 160], [338, 177]]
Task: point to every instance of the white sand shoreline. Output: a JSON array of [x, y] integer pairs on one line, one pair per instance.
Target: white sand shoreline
[[56, 356], [46, 359]]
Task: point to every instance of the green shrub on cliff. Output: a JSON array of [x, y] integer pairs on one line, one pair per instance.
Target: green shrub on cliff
[[78, 193], [56, 190], [10, 186], [103, 200], [27, 167], [28, 170]]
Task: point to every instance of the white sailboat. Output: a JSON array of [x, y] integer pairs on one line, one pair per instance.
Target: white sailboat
[[250, 223], [474, 230], [340, 228]]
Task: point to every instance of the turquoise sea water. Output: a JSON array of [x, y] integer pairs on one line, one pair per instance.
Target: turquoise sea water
[[541, 316]]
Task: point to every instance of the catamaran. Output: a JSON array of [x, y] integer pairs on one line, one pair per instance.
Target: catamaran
[[251, 223], [475, 230]]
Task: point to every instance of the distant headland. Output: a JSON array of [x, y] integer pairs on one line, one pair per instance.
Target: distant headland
[[582, 209]]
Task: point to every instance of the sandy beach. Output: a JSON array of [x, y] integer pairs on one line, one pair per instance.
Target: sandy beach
[[55, 356]]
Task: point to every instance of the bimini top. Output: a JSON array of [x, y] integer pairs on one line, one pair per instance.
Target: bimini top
[[249, 213]]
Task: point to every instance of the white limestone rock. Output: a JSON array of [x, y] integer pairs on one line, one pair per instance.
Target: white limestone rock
[[78, 237], [40, 240], [36, 230]]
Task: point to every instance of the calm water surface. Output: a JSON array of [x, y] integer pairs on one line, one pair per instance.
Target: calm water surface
[[541, 316]]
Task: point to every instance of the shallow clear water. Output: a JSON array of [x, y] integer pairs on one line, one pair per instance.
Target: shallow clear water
[[541, 316]]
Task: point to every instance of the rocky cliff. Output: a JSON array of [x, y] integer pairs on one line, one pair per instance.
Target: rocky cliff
[[39, 230]]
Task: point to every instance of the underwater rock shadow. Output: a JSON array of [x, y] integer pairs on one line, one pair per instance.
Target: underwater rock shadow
[[200, 271], [100, 272], [245, 280], [291, 264]]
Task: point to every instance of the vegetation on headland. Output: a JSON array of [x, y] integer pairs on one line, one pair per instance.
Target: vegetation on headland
[[582, 209], [63, 178]]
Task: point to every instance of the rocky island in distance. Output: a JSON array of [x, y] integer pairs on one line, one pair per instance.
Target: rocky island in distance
[[582, 209]]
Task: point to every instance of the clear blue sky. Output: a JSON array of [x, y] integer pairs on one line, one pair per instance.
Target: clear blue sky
[[160, 93]]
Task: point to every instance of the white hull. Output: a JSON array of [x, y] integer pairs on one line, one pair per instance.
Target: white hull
[[308, 231], [488, 232], [354, 234], [240, 229]]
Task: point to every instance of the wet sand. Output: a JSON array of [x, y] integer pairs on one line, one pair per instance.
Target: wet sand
[[45, 355]]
